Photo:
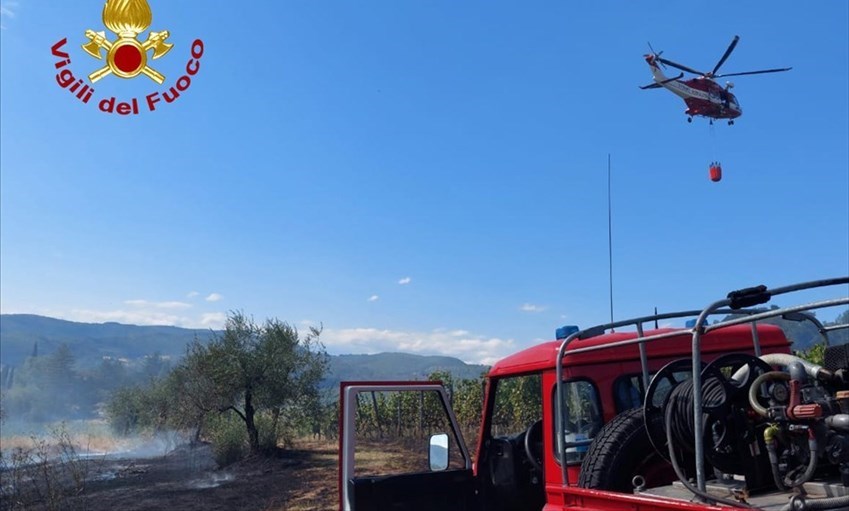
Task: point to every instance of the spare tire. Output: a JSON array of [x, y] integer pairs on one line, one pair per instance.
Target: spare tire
[[621, 451]]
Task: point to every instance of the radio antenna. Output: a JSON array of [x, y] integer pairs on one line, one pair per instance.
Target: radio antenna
[[610, 238]]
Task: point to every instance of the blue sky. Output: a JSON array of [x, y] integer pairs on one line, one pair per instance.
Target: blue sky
[[420, 176]]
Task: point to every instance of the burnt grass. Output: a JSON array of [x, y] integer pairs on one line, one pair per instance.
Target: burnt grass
[[298, 479]]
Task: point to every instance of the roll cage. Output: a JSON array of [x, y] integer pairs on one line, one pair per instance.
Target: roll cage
[[736, 304]]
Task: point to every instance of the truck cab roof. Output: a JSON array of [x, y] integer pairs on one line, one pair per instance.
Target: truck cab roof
[[733, 338]]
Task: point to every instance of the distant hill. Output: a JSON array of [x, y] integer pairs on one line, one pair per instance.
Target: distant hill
[[397, 366], [804, 334], [90, 342]]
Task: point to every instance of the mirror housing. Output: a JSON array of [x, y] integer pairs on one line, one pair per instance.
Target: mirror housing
[[438, 452]]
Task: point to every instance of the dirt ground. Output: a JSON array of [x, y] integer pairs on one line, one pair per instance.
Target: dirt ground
[[302, 479]]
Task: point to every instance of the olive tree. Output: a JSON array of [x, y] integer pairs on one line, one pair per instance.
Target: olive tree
[[251, 368]]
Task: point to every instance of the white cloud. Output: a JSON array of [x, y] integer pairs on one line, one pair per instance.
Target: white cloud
[[405, 281], [529, 307], [141, 316], [214, 297], [145, 312], [130, 317], [214, 320], [373, 298], [192, 294], [174, 305], [455, 342], [7, 9], [307, 323], [477, 349]]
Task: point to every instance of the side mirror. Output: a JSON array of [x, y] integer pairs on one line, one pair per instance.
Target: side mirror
[[438, 452]]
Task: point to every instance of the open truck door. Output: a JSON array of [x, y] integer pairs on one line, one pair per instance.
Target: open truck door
[[400, 447]]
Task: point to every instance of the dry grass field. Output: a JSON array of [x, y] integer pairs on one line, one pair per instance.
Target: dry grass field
[[303, 478]]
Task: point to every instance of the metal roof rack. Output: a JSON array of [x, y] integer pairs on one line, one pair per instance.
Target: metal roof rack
[[736, 304]]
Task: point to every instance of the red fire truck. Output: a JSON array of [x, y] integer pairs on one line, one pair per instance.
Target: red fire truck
[[715, 415]]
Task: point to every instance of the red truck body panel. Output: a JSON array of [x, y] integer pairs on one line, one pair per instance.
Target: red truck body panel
[[543, 356]]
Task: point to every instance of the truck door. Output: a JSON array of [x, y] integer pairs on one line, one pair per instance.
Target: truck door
[[400, 447]]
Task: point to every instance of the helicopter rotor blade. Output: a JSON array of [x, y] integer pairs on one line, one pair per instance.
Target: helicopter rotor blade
[[725, 56], [756, 72], [657, 85], [679, 66]]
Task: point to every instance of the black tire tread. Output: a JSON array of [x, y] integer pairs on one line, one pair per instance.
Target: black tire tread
[[621, 445]]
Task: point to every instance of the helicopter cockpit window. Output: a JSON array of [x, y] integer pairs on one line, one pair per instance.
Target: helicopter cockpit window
[[582, 418]]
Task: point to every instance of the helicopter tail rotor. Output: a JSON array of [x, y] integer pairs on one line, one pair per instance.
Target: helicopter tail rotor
[[656, 55]]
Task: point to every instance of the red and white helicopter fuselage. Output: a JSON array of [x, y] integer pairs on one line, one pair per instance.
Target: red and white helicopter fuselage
[[702, 95]]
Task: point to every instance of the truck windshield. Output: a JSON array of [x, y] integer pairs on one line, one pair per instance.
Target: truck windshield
[[518, 404], [582, 418]]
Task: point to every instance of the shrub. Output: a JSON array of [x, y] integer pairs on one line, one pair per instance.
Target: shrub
[[268, 434], [229, 442]]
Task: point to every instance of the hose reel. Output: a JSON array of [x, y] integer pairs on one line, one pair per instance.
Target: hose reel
[[733, 442]]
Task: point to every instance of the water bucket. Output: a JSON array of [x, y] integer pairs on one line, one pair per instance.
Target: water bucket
[[715, 173]]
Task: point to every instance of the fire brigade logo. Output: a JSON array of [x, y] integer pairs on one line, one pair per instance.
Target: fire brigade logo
[[127, 57]]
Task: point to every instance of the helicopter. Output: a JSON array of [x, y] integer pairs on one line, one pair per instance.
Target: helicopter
[[702, 94]]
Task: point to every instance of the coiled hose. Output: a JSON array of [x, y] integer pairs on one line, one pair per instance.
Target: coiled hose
[[799, 503], [681, 403], [680, 431], [680, 428]]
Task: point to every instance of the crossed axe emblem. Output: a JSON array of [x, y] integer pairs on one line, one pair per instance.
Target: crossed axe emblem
[[127, 57]]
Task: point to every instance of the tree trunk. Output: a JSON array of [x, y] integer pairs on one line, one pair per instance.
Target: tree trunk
[[275, 419], [253, 434], [377, 415]]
